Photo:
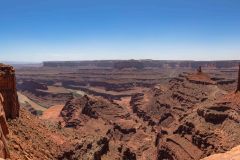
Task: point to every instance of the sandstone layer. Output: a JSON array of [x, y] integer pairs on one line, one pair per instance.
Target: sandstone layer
[[8, 91], [9, 106]]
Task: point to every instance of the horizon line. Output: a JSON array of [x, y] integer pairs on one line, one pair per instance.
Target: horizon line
[[88, 60]]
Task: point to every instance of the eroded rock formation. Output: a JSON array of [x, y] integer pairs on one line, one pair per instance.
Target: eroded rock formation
[[187, 117], [8, 91], [4, 153], [108, 131], [9, 106], [199, 69]]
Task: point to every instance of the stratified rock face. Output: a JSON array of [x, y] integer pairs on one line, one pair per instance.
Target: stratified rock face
[[108, 131], [185, 119], [4, 153], [193, 120], [9, 106], [32, 86], [8, 91], [142, 63], [77, 111]]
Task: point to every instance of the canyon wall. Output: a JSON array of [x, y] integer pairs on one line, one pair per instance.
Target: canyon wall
[[9, 105], [8, 91]]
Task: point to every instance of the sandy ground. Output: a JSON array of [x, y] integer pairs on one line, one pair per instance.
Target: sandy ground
[[52, 113], [233, 154], [54, 89], [125, 102], [24, 99], [77, 91]]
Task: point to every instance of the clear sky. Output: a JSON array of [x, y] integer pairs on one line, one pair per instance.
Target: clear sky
[[37, 30]]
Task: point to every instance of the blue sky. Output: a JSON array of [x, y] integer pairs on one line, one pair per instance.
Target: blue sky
[[119, 29]]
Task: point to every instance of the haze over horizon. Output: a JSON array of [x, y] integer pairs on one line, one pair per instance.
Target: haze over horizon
[[35, 31]]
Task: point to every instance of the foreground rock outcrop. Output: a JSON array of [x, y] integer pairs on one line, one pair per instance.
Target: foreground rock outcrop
[[4, 153], [9, 106], [8, 91], [108, 131]]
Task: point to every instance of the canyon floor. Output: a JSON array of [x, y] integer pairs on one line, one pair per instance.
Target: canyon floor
[[103, 113]]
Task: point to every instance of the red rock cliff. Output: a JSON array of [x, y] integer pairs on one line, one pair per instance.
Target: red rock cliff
[[8, 91], [9, 105]]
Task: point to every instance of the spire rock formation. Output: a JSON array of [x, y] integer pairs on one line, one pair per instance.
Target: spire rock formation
[[238, 86], [199, 70]]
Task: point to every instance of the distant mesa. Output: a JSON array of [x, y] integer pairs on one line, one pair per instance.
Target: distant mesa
[[143, 63], [129, 64]]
